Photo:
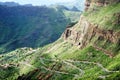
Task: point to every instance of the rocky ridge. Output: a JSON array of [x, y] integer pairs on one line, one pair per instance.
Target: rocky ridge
[[86, 32], [99, 3]]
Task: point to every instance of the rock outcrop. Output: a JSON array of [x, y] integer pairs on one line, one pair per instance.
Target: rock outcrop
[[84, 33], [90, 4], [87, 31]]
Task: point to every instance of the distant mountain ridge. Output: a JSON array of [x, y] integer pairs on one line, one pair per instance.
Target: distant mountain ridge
[[87, 50], [79, 4], [13, 4], [32, 26], [10, 4]]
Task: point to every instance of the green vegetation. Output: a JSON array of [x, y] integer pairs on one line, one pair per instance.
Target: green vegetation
[[105, 17], [22, 26], [86, 64], [62, 60]]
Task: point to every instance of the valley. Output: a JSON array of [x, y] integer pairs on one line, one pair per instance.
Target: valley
[[88, 49], [32, 26]]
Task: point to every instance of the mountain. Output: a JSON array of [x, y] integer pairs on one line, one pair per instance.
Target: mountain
[[14, 4], [32, 26], [79, 4], [9, 4], [87, 50]]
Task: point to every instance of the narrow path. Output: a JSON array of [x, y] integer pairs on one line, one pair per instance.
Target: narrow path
[[110, 54], [27, 64], [73, 66], [87, 62], [80, 70], [59, 72], [69, 62], [73, 61]]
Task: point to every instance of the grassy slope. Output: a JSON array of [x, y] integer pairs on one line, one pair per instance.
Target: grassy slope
[[60, 52], [93, 64], [31, 26], [105, 17]]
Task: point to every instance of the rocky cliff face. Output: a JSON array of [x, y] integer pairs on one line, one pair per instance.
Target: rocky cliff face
[[98, 3], [91, 33], [86, 33]]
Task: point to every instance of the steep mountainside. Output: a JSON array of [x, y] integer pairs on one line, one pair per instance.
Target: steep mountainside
[[22, 26], [87, 50], [79, 4]]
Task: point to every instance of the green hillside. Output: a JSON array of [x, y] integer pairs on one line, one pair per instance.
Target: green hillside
[[22, 26], [89, 50]]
